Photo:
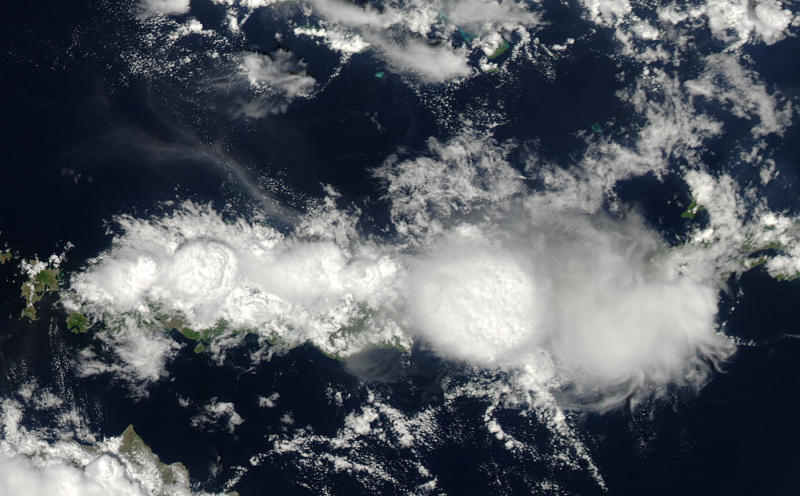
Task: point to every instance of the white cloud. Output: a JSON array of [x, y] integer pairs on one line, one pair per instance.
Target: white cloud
[[607, 12], [479, 14], [485, 269], [476, 302], [278, 79], [593, 294], [736, 21], [402, 33], [268, 401], [491, 287], [432, 64], [295, 289], [356, 448], [103, 476], [216, 412], [450, 179], [140, 356], [740, 90], [167, 7], [31, 463]]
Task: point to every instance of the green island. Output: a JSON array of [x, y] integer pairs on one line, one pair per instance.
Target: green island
[[6, 256], [157, 318], [692, 210], [33, 290], [136, 452], [500, 50], [78, 322], [201, 337]]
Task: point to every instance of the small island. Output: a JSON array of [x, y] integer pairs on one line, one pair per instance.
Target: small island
[[33, 290]]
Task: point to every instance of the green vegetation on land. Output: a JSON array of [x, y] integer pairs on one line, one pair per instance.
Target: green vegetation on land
[[500, 50], [204, 334], [34, 289], [78, 322], [692, 210], [6, 256], [137, 453]]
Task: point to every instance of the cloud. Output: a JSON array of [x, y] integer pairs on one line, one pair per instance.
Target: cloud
[[495, 266], [504, 279], [278, 79], [591, 292], [726, 81], [355, 16], [130, 353], [215, 412], [268, 401], [31, 463], [737, 21], [479, 13], [102, 476], [304, 288], [476, 302], [356, 448], [430, 63], [166, 7], [448, 179], [403, 35]]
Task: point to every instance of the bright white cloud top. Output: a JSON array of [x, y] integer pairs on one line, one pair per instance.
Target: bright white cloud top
[[593, 303]]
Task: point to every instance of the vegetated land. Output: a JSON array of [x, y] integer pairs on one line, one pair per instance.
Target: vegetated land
[[46, 280]]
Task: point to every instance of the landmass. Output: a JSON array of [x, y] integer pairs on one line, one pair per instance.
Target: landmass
[[692, 210], [78, 322], [34, 289], [500, 50], [134, 450]]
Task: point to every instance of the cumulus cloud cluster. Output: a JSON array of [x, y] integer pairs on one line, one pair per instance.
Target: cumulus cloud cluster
[[593, 293], [482, 267], [131, 353], [412, 38], [502, 281], [278, 79], [196, 265], [737, 21], [100, 477], [218, 412], [732, 22], [165, 7]]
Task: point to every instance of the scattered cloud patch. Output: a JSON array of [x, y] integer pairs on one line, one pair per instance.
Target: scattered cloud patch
[[268, 401], [736, 22], [217, 413], [166, 7], [131, 353], [278, 79]]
